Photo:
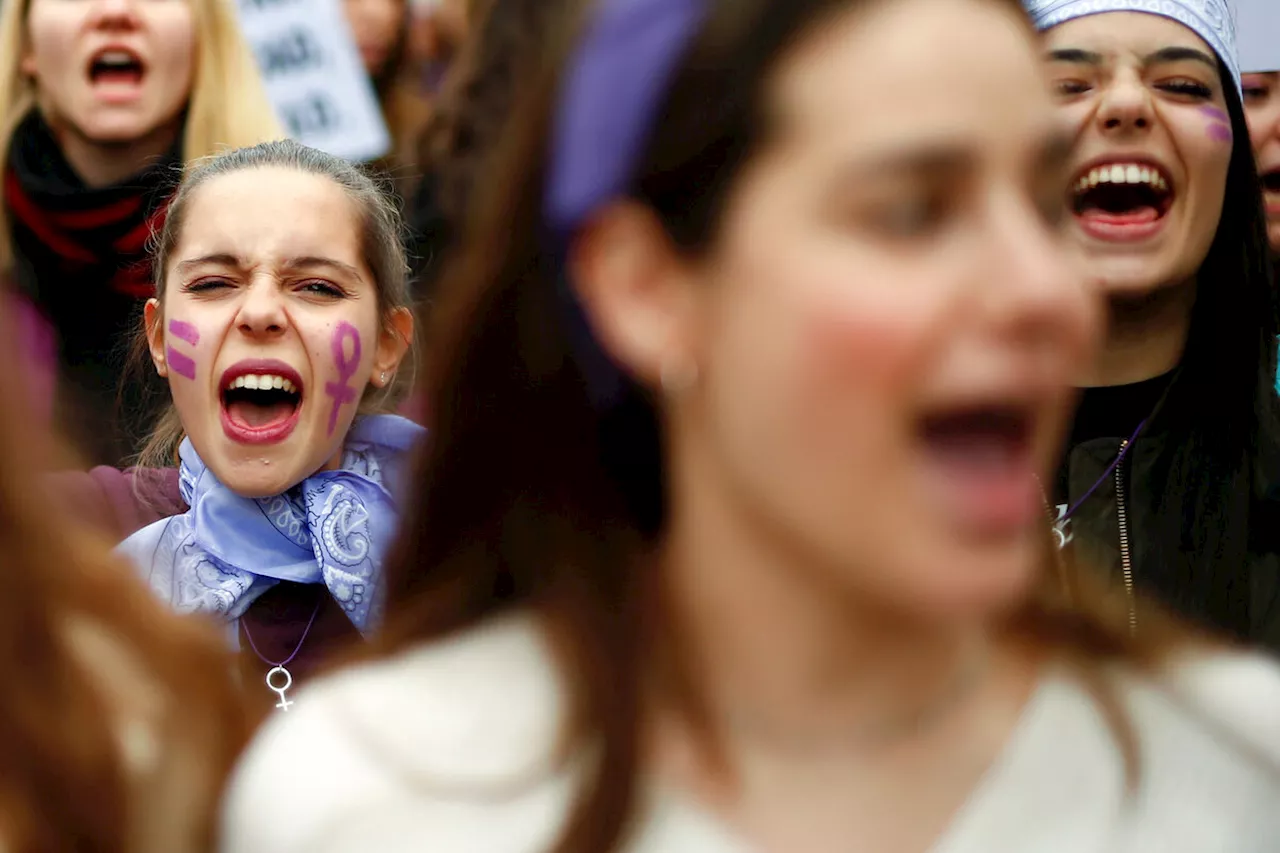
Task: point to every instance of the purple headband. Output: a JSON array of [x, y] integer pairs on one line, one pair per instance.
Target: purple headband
[[609, 95]]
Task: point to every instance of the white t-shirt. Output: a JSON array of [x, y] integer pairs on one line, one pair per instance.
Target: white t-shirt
[[450, 748]]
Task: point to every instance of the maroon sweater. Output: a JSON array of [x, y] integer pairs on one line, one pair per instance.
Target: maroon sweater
[[120, 502]]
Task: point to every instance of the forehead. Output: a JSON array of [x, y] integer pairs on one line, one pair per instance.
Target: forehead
[[1121, 33], [270, 213], [951, 69]]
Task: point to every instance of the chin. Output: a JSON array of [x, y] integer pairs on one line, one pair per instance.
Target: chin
[[258, 478], [120, 129], [969, 583], [1131, 282]]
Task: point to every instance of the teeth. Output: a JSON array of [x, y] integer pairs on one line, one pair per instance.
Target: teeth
[[117, 57], [263, 382], [1122, 173]]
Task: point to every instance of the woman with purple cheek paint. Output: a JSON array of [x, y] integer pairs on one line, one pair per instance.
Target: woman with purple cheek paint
[[1167, 481], [280, 325], [728, 537]]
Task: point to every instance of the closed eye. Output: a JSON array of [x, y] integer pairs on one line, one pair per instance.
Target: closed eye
[[1070, 87], [1256, 93], [1190, 88], [322, 288], [205, 285]]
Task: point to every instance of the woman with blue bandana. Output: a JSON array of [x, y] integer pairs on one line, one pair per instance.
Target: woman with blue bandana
[[1165, 484], [280, 324], [729, 536]]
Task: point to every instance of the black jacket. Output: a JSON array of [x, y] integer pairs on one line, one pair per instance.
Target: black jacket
[[1118, 529]]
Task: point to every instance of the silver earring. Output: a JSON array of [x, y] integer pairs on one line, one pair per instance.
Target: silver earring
[[384, 377], [678, 375]]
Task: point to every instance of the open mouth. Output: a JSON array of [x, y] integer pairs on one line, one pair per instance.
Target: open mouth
[[261, 403], [982, 464], [1122, 194], [1271, 185], [116, 65], [980, 439]]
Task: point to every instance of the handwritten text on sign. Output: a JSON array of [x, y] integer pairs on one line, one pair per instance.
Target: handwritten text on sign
[[314, 75]]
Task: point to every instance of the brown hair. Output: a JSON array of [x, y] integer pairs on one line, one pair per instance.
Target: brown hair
[[87, 655], [528, 496], [404, 110], [481, 95], [380, 242]]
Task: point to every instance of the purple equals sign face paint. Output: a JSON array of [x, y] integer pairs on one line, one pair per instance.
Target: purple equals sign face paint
[[1219, 127], [182, 364]]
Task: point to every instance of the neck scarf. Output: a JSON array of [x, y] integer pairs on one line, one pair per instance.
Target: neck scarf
[[1210, 19], [102, 231], [333, 528]]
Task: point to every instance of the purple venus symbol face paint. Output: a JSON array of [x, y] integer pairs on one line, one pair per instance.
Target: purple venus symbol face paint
[[341, 391], [1219, 127], [182, 364]]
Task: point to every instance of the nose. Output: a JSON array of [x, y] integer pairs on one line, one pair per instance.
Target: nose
[[261, 313], [1040, 299], [115, 14], [1125, 106]]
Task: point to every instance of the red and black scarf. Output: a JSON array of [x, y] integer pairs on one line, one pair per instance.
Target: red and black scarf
[[80, 257], [82, 232]]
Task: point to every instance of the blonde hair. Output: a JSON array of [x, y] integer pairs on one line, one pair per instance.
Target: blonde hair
[[227, 107]]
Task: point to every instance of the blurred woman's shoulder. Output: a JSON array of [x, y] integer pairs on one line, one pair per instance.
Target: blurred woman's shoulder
[[461, 738], [1233, 697], [421, 739]]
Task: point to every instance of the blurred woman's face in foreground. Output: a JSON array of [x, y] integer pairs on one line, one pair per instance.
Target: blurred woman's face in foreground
[[1262, 110], [886, 327]]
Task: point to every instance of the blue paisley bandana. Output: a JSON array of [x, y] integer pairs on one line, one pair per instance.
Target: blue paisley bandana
[[332, 528]]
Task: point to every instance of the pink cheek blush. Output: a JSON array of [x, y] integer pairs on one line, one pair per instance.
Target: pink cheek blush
[[183, 365], [341, 391]]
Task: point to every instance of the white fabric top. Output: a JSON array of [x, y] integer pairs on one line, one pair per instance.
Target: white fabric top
[[450, 748]]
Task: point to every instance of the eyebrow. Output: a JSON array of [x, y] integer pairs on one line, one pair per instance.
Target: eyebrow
[[1180, 54], [928, 159], [302, 264], [1076, 56], [1079, 56], [310, 262]]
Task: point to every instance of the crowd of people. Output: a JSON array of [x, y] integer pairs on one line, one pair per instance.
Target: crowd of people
[[713, 426]]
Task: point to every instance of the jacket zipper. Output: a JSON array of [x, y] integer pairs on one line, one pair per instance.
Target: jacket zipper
[[1126, 559]]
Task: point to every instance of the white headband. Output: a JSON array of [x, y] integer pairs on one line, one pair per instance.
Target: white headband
[[1212, 20]]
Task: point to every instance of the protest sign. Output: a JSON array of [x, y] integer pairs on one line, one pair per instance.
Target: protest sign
[[315, 77]]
